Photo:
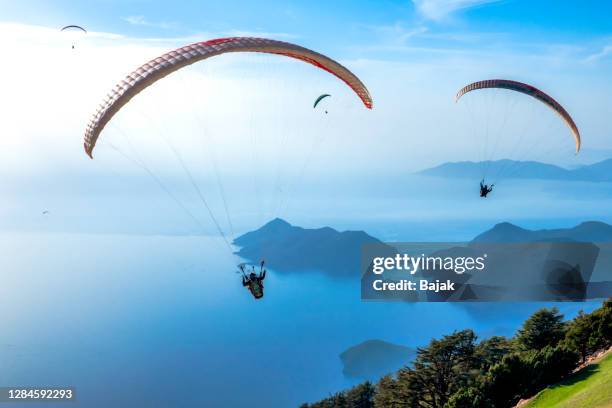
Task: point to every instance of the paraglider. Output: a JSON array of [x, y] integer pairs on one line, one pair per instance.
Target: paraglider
[[166, 64], [485, 189], [73, 27], [483, 118], [527, 90], [172, 61], [76, 28], [319, 99], [254, 281]]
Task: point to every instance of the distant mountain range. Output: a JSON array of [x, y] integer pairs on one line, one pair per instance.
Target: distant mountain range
[[598, 172], [288, 248], [591, 231]]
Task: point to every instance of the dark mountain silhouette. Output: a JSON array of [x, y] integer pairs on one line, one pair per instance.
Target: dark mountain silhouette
[[599, 172], [579, 261], [552, 264], [591, 231], [373, 359], [289, 248]]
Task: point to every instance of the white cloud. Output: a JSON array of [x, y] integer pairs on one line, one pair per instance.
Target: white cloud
[[603, 53], [440, 9], [398, 33], [142, 21]]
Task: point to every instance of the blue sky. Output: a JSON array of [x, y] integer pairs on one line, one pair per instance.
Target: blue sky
[[412, 55], [425, 48], [337, 22]]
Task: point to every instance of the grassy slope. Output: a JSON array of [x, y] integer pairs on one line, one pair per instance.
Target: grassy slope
[[589, 388]]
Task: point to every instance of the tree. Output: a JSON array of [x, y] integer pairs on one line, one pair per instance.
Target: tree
[[443, 367], [361, 396], [522, 374], [601, 336], [548, 366], [507, 380], [491, 351], [471, 397], [544, 328], [579, 334], [386, 393], [456, 372]]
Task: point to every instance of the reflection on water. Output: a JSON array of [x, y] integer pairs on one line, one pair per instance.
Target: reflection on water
[[164, 321]]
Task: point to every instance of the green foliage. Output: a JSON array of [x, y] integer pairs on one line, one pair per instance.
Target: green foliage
[[392, 393], [549, 366], [361, 396], [522, 374], [588, 333], [337, 400], [443, 367], [491, 351], [457, 372], [471, 397], [601, 322], [579, 335], [506, 381], [544, 328]]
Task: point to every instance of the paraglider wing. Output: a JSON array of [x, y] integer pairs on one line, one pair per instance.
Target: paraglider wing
[[73, 27], [527, 90], [319, 99], [164, 65]]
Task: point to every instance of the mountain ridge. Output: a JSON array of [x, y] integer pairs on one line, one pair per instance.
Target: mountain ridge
[[506, 168], [290, 248], [585, 231]]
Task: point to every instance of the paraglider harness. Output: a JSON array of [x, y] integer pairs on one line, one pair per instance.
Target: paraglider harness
[[254, 281], [484, 189]]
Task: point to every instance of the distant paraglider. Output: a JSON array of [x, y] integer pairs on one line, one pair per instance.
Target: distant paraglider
[[319, 99], [74, 28]]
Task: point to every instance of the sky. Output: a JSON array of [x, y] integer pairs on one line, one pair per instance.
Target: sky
[[412, 55]]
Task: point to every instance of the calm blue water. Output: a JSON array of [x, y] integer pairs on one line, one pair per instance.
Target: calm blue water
[[164, 321]]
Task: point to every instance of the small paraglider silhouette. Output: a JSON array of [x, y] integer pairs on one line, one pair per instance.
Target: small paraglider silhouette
[[45, 212], [485, 189], [319, 99], [73, 28]]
